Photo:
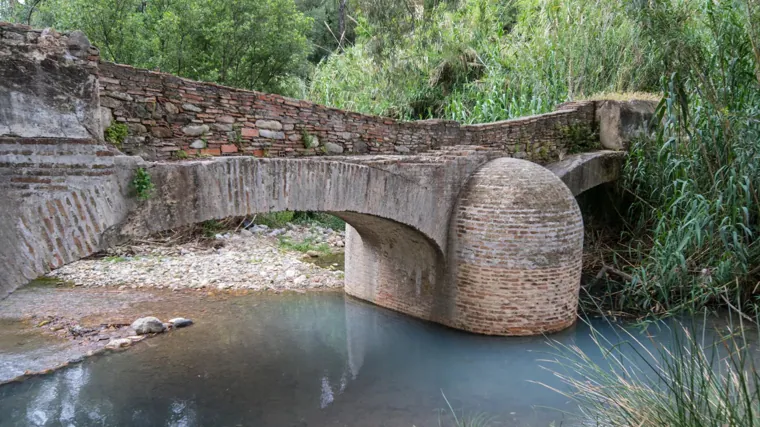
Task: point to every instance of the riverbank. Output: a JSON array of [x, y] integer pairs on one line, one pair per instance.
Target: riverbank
[[257, 259], [76, 311]]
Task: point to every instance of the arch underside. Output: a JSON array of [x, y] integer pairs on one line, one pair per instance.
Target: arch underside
[[582, 172]]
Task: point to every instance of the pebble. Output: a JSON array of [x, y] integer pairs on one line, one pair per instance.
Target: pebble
[[118, 343], [180, 322]]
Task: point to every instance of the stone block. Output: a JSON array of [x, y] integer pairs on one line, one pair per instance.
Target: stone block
[[622, 121], [269, 124], [170, 108], [161, 132], [229, 148], [190, 107], [266, 133], [333, 148], [198, 144], [220, 127], [249, 132], [195, 130]]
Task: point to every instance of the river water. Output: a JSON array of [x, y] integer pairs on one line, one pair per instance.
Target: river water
[[319, 359]]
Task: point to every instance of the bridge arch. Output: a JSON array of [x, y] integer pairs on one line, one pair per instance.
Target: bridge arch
[[395, 244]]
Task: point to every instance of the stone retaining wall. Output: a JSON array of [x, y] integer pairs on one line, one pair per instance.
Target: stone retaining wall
[[171, 117]]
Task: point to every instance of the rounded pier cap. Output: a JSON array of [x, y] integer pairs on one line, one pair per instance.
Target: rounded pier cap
[[516, 244]]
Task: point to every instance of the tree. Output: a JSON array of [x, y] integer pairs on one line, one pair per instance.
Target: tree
[[252, 44]]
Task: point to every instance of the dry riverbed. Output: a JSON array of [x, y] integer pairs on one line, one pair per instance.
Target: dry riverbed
[[77, 310]]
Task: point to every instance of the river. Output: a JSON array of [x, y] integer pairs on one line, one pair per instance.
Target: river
[[315, 359]]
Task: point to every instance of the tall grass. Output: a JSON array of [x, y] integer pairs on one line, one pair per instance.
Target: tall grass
[[689, 383], [489, 60], [695, 185]]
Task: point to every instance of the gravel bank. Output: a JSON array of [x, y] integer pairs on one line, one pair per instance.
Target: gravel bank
[[255, 259]]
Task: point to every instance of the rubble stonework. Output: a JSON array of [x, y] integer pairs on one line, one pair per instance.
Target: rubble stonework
[[509, 264], [167, 115]]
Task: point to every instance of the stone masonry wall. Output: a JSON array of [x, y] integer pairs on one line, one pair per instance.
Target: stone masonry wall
[[171, 117]]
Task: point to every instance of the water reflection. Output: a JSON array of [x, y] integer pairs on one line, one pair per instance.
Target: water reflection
[[298, 360]]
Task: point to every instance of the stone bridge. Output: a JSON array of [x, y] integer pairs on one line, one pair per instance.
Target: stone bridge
[[474, 227]]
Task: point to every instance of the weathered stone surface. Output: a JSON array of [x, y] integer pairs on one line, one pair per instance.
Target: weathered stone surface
[[621, 122], [249, 133], [402, 149], [109, 102], [195, 130], [106, 117], [219, 127], [147, 325], [361, 147], [225, 119], [46, 90], [333, 148], [170, 108], [78, 44], [137, 128], [581, 172], [268, 124], [265, 133], [191, 107], [198, 144], [121, 96], [161, 132]]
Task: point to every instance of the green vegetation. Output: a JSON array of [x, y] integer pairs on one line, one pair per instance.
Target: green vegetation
[[115, 259], [253, 44], [212, 227], [116, 133], [692, 226], [308, 244], [487, 60], [691, 383], [142, 183], [308, 140], [281, 219]]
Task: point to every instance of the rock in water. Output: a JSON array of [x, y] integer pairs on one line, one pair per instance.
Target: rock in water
[[119, 343], [147, 325], [180, 322]]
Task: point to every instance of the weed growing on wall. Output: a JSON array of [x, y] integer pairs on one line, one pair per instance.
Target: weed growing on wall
[[116, 133], [142, 183]]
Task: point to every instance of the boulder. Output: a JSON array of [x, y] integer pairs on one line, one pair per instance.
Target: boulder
[[147, 325]]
